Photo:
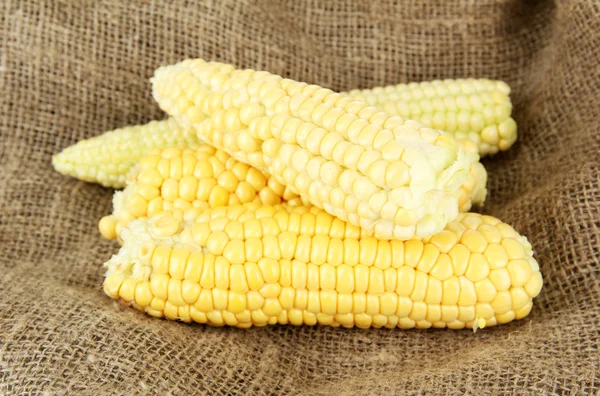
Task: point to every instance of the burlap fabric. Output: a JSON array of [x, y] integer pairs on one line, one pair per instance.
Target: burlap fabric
[[72, 69]]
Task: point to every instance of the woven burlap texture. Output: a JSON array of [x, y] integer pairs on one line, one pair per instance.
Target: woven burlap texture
[[72, 69]]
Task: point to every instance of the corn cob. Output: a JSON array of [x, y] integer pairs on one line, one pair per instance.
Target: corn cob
[[390, 176], [202, 177], [474, 109], [194, 178], [108, 158], [255, 264]]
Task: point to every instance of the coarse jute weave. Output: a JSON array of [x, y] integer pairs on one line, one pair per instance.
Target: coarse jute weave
[[72, 69]]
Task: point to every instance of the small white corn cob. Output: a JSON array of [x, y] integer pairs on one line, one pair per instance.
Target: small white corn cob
[[107, 159]]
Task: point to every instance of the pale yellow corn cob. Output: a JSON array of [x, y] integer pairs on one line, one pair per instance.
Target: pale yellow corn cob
[[193, 178], [108, 158], [253, 265], [201, 177], [474, 109], [387, 175]]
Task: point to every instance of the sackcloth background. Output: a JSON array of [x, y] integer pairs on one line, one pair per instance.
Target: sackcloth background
[[72, 69]]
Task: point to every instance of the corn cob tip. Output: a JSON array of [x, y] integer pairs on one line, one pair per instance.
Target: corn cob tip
[[107, 159]]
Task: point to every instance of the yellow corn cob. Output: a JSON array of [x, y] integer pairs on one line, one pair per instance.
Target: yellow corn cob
[[107, 159], [190, 179], [387, 175], [202, 177], [254, 264], [474, 109]]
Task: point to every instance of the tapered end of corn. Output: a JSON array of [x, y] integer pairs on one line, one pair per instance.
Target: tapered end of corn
[[473, 109], [107, 159], [253, 265]]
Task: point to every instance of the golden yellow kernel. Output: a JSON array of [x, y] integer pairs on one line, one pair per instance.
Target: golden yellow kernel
[[491, 233], [143, 293], [147, 191], [175, 293], [234, 230], [486, 291], [157, 304], [127, 289], [314, 302], [373, 306], [500, 278], [478, 268], [155, 206], [361, 278], [188, 187], [269, 226], [449, 313], [474, 241], [222, 267], [107, 227], [286, 297], [434, 291], [502, 303], [175, 168], [163, 168], [428, 258], [523, 311], [170, 311], [178, 261], [200, 233], [519, 298], [220, 299], [418, 311], [303, 247], [534, 285], [197, 316], [376, 281], [496, 256], [218, 196], [159, 284], [351, 251], [207, 279], [170, 190], [413, 249], [216, 243], [468, 296], [190, 291], [161, 259], [234, 252], [466, 313], [271, 247], [520, 272], [514, 249], [287, 244], [460, 256]]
